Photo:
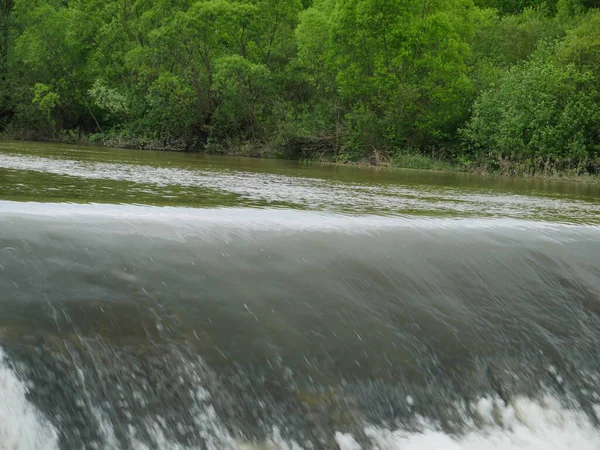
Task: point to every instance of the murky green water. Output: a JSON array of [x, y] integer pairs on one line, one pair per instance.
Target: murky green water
[[54, 173], [177, 301]]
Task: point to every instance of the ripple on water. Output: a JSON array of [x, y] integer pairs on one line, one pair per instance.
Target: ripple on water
[[315, 193]]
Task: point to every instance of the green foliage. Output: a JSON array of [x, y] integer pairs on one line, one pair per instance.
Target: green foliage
[[517, 6], [416, 160], [394, 73], [170, 103], [542, 116], [46, 101], [582, 44], [243, 90], [350, 80], [114, 103], [45, 98]]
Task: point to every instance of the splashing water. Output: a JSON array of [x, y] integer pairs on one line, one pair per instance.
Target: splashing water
[[22, 427], [290, 312]]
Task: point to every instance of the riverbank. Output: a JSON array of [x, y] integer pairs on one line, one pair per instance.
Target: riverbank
[[407, 159]]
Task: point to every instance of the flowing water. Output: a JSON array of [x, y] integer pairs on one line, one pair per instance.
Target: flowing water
[[174, 301]]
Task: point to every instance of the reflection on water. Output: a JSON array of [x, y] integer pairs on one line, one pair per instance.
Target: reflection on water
[[276, 306]]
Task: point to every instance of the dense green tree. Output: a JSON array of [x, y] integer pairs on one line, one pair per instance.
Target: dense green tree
[[342, 79], [394, 72], [511, 7], [582, 44], [543, 116], [52, 50]]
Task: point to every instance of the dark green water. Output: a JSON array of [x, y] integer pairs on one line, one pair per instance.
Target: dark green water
[[158, 300]]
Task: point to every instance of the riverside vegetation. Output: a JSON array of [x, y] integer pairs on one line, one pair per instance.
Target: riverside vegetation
[[510, 86]]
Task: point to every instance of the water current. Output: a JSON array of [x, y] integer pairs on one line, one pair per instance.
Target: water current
[[176, 301]]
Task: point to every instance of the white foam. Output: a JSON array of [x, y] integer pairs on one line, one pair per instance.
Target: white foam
[[22, 427], [524, 425], [257, 219], [346, 441]]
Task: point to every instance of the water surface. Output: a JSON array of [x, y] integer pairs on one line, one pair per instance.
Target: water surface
[[166, 300]]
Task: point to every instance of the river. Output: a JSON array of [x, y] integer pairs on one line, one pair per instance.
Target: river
[[175, 301]]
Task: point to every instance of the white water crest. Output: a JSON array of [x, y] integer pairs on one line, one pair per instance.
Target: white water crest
[[525, 424], [260, 219], [22, 427]]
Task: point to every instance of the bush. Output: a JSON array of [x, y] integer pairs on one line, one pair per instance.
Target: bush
[[542, 117]]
